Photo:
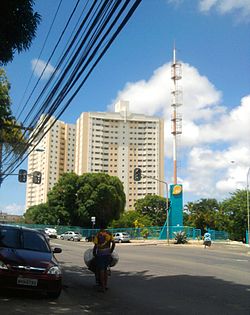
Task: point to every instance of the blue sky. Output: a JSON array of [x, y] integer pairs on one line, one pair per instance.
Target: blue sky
[[212, 41]]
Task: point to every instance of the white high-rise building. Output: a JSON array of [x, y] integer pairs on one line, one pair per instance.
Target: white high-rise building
[[115, 143], [53, 156], [118, 142]]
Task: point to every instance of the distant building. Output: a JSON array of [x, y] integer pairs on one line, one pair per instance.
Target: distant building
[[53, 156], [114, 143], [9, 218]]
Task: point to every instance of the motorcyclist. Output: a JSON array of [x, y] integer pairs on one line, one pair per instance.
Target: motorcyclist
[[207, 240]]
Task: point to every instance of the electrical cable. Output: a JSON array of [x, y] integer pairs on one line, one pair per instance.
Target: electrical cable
[[63, 32], [34, 68], [80, 68]]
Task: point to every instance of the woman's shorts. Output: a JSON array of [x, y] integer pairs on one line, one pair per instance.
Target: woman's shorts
[[103, 261]]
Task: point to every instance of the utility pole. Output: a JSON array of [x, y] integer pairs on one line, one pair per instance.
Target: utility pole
[[137, 177], [248, 214]]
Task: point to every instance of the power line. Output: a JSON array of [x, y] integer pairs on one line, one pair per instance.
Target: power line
[[103, 27], [34, 68]]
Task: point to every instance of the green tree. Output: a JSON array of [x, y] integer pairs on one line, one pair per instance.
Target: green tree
[[233, 215], [43, 214], [11, 136], [38, 214], [129, 218], [18, 25], [154, 207], [75, 199], [62, 199], [100, 195], [202, 214]]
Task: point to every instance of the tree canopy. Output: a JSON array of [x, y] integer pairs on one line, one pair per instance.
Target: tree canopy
[[5, 102], [202, 214], [228, 215], [154, 207], [18, 25], [75, 199], [130, 219], [233, 215], [11, 136]]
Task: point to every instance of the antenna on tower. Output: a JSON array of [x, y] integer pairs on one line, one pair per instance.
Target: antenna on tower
[[176, 117]]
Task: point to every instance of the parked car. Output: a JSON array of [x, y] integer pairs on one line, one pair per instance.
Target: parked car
[[71, 236], [27, 261], [121, 237], [45, 234], [52, 233], [89, 238]]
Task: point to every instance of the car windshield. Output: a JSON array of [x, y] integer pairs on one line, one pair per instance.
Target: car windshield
[[34, 241], [23, 239]]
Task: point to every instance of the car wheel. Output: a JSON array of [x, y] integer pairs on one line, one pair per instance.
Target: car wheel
[[120, 241], [54, 295], [62, 238], [71, 239]]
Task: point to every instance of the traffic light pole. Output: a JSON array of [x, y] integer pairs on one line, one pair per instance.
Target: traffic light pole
[[37, 176], [161, 181]]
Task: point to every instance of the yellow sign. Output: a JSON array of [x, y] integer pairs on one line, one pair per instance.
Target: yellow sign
[[177, 189]]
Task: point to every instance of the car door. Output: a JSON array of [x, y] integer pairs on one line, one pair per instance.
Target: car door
[[71, 235]]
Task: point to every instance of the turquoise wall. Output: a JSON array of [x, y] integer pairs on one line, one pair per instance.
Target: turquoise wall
[[176, 212]]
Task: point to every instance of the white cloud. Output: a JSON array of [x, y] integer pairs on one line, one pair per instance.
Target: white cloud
[[231, 127], [13, 209], [214, 173], [213, 135], [39, 67], [242, 7], [153, 97]]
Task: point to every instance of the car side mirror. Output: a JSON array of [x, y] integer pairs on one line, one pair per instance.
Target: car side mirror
[[57, 250]]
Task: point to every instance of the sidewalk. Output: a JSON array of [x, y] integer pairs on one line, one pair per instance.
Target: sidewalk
[[190, 242]]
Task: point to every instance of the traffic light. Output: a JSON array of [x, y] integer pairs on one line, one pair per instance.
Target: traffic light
[[137, 174], [22, 176], [37, 177]]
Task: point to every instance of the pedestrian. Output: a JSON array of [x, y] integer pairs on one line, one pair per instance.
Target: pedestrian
[[103, 247], [207, 240]]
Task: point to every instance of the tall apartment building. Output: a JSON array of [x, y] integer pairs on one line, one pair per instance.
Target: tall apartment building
[[118, 142], [112, 142], [55, 154]]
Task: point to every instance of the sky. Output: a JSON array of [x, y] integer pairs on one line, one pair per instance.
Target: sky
[[212, 43]]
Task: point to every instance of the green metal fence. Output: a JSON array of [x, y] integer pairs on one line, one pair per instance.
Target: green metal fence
[[149, 232]]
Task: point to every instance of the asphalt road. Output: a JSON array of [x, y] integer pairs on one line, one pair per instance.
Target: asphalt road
[[148, 279]]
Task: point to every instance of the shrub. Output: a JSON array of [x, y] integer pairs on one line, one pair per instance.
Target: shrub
[[180, 237]]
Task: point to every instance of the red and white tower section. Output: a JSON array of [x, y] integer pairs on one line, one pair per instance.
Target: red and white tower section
[[176, 117]]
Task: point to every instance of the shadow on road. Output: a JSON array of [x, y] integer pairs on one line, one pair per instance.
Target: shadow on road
[[132, 293]]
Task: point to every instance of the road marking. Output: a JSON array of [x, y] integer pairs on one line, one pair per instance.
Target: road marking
[[241, 260]]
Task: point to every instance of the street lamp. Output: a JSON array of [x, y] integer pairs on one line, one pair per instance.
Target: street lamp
[[248, 215]]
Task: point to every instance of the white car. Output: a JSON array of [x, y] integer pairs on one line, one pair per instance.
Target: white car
[[52, 233], [121, 237]]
